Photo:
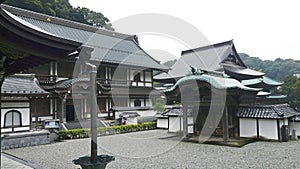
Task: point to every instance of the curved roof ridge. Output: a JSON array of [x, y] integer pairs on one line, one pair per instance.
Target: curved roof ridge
[[64, 22], [229, 42]]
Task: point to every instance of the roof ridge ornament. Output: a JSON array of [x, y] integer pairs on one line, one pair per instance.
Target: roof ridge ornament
[[195, 71]]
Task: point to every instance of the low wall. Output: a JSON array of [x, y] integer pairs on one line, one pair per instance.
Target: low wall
[[17, 140]]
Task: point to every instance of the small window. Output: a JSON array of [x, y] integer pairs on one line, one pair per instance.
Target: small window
[[137, 103], [12, 119]]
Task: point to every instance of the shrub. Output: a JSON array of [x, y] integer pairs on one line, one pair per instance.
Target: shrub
[[85, 133]]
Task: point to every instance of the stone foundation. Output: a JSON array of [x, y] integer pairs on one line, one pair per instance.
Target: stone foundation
[[17, 140]]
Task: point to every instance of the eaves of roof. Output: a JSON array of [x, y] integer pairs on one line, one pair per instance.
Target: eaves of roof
[[22, 85], [109, 46], [216, 82], [277, 111], [264, 80]]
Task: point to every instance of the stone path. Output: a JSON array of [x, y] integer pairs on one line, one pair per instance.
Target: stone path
[[8, 162]]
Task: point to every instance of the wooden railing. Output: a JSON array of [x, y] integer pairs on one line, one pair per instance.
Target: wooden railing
[[124, 83]]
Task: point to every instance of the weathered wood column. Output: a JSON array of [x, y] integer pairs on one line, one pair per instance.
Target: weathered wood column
[[185, 120], [225, 124], [63, 115]]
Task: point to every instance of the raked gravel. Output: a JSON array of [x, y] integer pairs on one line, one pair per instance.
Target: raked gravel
[[147, 149]]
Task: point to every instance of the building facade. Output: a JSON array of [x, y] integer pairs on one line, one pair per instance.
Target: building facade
[[124, 69]]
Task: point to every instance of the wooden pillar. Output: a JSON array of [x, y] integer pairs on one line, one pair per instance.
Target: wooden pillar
[[225, 125], [184, 121], [63, 108]]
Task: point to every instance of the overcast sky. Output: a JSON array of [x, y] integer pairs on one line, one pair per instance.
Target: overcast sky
[[260, 28]]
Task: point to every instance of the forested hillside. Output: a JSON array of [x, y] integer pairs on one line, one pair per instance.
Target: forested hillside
[[277, 69], [63, 9]]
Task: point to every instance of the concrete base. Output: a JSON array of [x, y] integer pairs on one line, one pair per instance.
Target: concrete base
[[25, 139]]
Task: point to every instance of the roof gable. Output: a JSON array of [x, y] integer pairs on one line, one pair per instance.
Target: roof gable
[[221, 57]]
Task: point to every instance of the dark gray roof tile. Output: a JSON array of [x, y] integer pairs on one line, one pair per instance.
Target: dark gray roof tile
[[276, 111], [22, 85], [111, 47]]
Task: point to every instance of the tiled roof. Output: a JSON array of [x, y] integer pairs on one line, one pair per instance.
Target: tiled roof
[[22, 85], [267, 111], [237, 69], [69, 82], [176, 111], [129, 114], [265, 80], [215, 81], [173, 112], [109, 46], [217, 57]]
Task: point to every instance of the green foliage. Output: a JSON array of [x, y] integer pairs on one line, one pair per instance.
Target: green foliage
[[85, 133], [277, 69], [73, 134], [291, 88], [63, 9], [159, 104]]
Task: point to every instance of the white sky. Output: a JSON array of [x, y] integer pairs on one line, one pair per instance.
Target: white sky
[[267, 29]]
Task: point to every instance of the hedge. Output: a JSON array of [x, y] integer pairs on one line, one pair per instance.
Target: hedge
[[101, 131]]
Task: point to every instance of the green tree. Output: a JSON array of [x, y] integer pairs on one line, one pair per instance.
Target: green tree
[[63, 9], [291, 88], [276, 69]]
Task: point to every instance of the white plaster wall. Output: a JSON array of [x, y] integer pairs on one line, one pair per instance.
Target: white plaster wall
[[147, 84], [131, 103], [148, 102], [25, 115], [132, 75], [22, 129], [131, 120], [5, 130], [14, 104], [148, 77], [42, 118], [23, 108], [174, 125], [268, 128], [190, 128], [294, 126], [283, 122], [140, 84], [162, 123], [248, 127]]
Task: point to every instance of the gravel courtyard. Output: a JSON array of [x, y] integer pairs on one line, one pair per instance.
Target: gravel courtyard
[[151, 149]]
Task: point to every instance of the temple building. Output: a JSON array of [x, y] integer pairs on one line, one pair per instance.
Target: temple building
[[220, 95], [19, 93], [53, 50]]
